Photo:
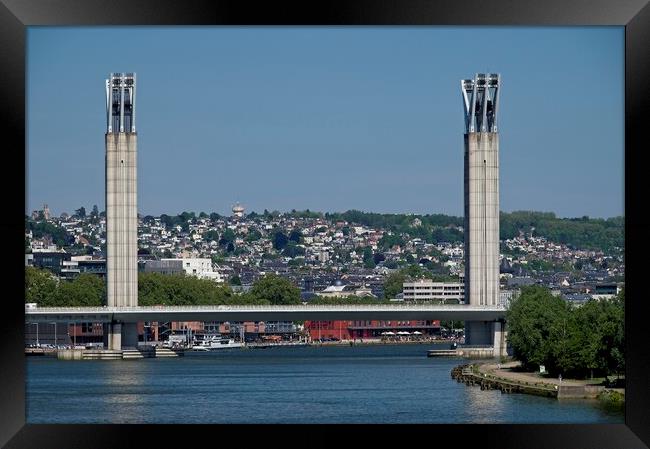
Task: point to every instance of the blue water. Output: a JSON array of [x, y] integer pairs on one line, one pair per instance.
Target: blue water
[[361, 384]]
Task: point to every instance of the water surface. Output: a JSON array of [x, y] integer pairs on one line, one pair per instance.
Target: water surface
[[361, 384]]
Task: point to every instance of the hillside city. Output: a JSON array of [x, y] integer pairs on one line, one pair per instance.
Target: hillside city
[[324, 255]]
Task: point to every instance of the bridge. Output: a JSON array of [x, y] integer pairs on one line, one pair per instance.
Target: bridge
[[265, 313]]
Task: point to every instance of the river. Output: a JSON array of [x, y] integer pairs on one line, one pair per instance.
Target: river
[[335, 384]]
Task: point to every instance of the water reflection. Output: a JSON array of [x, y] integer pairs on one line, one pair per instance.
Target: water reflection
[[123, 387], [483, 406]]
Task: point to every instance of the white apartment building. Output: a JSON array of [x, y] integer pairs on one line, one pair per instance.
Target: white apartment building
[[199, 267], [427, 290]]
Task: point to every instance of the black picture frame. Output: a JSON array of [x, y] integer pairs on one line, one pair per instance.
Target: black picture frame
[[16, 15]]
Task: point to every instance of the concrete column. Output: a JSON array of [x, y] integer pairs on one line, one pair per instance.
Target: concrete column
[[499, 340], [114, 336], [121, 220], [478, 333], [129, 335], [481, 186], [106, 335]]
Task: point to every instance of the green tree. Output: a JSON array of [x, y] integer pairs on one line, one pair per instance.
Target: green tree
[[187, 216], [572, 341], [293, 250], [295, 235], [81, 212], [280, 240], [368, 260], [87, 290], [391, 264], [235, 280], [227, 237], [393, 284], [296, 262], [253, 235], [450, 235], [157, 288], [538, 328], [611, 326], [40, 286], [248, 299], [211, 235], [276, 289], [387, 241], [415, 271], [57, 233], [450, 324], [151, 289]]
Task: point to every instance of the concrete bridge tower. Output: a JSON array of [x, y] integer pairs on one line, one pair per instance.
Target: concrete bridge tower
[[121, 206], [481, 105]]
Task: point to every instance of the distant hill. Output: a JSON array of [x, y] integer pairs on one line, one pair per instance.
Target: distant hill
[[581, 233]]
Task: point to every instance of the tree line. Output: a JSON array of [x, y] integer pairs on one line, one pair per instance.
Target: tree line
[[45, 289], [575, 342]]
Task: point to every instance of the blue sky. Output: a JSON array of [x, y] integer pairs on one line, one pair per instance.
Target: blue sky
[[328, 118]]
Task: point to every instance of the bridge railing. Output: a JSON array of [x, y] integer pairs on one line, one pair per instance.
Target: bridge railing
[[239, 308]]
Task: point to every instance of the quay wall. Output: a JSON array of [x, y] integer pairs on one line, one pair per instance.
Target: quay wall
[[470, 375], [115, 354], [70, 354], [579, 391]]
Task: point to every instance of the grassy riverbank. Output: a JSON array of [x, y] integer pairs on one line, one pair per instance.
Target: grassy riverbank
[[511, 376], [612, 399]]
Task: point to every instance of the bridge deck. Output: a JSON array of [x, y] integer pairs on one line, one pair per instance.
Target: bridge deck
[[266, 313]]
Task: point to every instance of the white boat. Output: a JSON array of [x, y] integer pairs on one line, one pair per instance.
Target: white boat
[[213, 343]]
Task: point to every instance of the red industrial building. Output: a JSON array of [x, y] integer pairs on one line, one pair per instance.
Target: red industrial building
[[352, 330]]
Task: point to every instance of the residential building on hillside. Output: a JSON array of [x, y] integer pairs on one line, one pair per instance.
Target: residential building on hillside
[[199, 267]]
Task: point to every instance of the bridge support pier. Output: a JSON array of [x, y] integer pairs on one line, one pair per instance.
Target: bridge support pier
[[129, 335], [487, 333], [113, 336], [499, 339], [119, 336]]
